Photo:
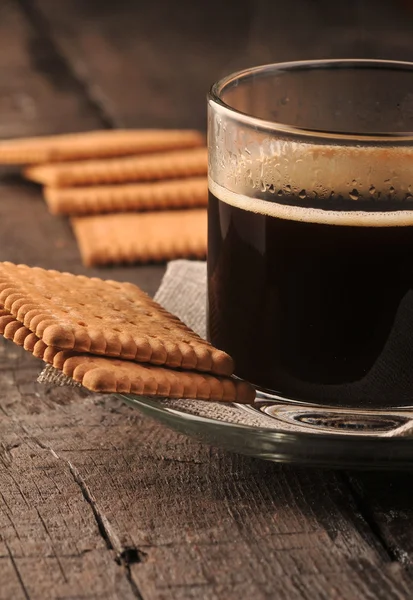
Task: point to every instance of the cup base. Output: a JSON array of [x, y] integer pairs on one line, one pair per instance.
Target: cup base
[[333, 419]]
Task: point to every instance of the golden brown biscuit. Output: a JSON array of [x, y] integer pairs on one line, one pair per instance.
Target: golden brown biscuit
[[103, 374], [96, 144], [166, 165], [179, 193], [106, 374], [101, 317], [141, 237]]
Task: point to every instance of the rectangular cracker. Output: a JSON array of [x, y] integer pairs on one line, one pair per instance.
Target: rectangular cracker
[[96, 144], [152, 167], [141, 237], [74, 312], [101, 374], [159, 195], [105, 374]]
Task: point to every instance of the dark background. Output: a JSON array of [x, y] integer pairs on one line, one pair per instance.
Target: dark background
[[143, 63]]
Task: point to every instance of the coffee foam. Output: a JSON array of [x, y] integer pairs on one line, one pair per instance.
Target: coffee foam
[[318, 172], [399, 218]]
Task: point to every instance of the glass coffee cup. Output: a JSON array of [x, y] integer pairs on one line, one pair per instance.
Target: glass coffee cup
[[310, 230]]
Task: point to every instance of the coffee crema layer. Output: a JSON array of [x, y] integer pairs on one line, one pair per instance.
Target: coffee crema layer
[[354, 218], [315, 174]]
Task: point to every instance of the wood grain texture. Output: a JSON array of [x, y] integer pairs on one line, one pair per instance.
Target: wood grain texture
[[88, 483], [42, 506], [36, 86], [97, 501], [151, 63], [384, 501]]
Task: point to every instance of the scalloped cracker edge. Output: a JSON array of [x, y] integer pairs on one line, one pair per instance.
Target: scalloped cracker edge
[[74, 312]]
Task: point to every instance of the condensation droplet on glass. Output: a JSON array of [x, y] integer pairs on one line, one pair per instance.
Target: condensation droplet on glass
[[372, 190], [288, 189], [409, 197], [302, 194], [354, 182], [354, 194], [271, 188], [279, 193], [391, 190], [263, 186]]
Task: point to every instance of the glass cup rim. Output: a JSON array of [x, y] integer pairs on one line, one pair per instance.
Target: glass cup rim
[[216, 90]]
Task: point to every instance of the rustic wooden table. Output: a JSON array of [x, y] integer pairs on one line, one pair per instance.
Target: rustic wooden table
[[97, 501]]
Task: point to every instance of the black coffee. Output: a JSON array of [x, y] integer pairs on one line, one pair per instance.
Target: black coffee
[[310, 310]]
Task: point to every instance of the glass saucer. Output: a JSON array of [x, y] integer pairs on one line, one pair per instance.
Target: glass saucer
[[286, 433]]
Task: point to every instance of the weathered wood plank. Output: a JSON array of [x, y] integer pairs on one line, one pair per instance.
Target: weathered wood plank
[[197, 521], [151, 65], [385, 501], [42, 510], [38, 93], [42, 506], [186, 520]]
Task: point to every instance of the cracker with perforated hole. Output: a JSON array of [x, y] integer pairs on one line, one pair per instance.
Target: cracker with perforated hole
[[141, 237], [165, 165], [103, 374], [96, 144], [74, 312], [160, 195], [106, 374]]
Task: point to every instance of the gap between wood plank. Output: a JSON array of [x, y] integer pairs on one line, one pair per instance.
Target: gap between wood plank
[[111, 539], [368, 517], [18, 575], [40, 25], [122, 555]]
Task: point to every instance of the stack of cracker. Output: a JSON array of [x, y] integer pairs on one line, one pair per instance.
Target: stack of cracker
[[131, 195], [111, 337]]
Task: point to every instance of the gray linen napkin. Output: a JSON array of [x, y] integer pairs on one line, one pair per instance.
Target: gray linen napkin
[[183, 293]]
